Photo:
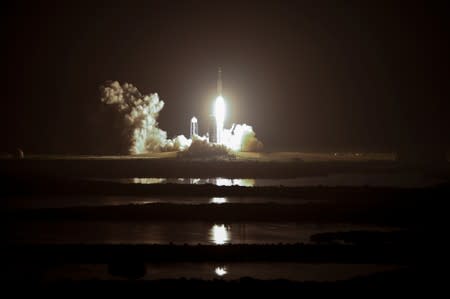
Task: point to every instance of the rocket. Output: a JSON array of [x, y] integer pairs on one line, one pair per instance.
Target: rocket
[[219, 82], [219, 109]]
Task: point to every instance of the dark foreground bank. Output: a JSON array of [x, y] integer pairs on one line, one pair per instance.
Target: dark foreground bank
[[400, 282]]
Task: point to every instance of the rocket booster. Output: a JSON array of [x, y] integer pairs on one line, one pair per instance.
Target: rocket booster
[[219, 82]]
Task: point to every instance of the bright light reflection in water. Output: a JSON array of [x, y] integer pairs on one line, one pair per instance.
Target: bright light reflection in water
[[219, 234], [235, 182], [218, 200], [245, 182], [220, 271], [194, 181], [148, 180], [223, 182]]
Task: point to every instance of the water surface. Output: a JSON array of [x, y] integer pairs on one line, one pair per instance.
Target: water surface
[[165, 232], [100, 200], [228, 271], [403, 180]]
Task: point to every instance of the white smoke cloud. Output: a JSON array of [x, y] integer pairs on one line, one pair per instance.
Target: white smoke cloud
[[201, 148], [179, 143], [140, 113], [242, 138]]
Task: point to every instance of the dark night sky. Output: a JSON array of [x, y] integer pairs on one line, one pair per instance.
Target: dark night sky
[[310, 75]]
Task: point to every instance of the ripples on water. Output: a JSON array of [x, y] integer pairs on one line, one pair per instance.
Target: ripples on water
[[85, 201], [228, 271], [103, 232], [189, 181], [380, 179]]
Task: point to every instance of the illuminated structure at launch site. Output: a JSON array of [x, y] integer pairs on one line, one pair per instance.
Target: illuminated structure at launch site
[[194, 127]]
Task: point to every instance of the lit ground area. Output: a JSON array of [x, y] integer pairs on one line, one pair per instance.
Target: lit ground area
[[240, 165], [315, 157], [161, 155], [243, 156]]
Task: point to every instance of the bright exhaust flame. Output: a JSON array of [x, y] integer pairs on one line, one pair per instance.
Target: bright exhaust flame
[[219, 113]]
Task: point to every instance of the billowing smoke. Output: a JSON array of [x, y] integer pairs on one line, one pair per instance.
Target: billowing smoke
[[201, 148], [140, 113], [179, 143], [242, 138]]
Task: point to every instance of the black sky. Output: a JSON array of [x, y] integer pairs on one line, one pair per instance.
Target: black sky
[[308, 75]]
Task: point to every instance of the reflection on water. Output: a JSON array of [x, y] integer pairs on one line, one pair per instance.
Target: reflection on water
[[209, 271], [216, 181], [37, 202], [191, 181], [233, 182], [407, 180], [148, 180], [219, 234], [218, 200], [220, 271], [196, 232]]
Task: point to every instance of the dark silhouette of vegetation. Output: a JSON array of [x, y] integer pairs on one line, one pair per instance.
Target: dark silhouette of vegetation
[[397, 282]]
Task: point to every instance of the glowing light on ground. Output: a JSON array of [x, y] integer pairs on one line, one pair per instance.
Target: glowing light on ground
[[148, 180], [219, 234], [218, 200], [220, 271]]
